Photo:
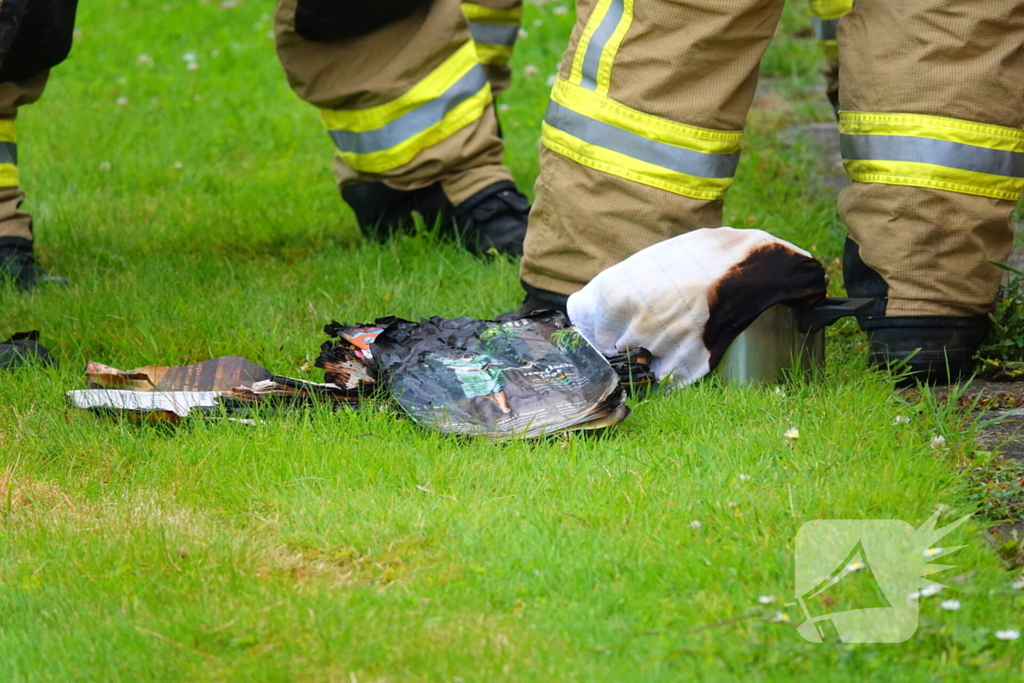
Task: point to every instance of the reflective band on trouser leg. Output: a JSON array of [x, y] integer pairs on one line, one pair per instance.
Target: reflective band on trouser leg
[[825, 20], [933, 151], [600, 40], [825, 32], [8, 155], [830, 9], [610, 137], [390, 135], [494, 31]]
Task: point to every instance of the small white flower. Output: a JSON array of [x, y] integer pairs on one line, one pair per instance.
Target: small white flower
[[792, 434], [779, 392], [1018, 584], [192, 66], [914, 595], [503, 107], [766, 599], [530, 71], [104, 165], [745, 477], [780, 618], [932, 552], [522, 35], [270, 34], [560, 10], [537, 23], [122, 101], [551, 80], [950, 605], [177, 164], [695, 524], [929, 591], [901, 420], [189, 56], [939, 442], [732, 504], [215, 52], [144, 60], [228, 4], [855, 566], [1007, 634]]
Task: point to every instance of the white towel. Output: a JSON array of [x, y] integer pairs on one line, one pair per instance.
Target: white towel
[[687, 298]]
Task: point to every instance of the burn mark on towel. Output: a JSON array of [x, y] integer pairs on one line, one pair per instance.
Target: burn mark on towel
[[771, 274]]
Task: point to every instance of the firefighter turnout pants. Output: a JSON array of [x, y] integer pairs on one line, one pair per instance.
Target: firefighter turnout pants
[[644, 130], [407, 102], [15, 224], [494, 25], [43, 40], [825, 16]]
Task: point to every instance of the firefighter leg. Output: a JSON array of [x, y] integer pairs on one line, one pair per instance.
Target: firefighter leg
[[825, 16], [643, 132], [15, 224], [42, 40], [494, 25], [409, 108], [932, 138]]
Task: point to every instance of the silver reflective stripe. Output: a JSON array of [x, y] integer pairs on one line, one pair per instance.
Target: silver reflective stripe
[[413, 122], [930, 151], [493, 34], [600, 37], [609, 137], [825, 29], [9, 153]]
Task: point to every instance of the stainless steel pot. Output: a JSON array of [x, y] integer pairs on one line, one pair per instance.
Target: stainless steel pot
[[783, 341]]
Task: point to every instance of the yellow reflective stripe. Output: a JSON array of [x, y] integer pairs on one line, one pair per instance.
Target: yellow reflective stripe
[[933, 127], [830, 9], [830, 49], [604, 70], [632, 169], [601, 9], [7, 131], [430, 88], [934, 152], [463, 114], [493, 55], [490, 15], [915, 174], [8, 175], [654, 128]]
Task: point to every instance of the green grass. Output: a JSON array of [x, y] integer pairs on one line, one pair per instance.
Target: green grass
[[347, 547]]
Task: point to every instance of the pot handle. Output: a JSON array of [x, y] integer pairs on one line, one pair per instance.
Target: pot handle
[[828, 311]]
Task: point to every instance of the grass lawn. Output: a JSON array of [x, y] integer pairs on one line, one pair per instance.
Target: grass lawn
[[196, 215]]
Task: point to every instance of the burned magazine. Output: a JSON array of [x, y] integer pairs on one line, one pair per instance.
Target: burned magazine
[[346, 358], [520, 378], [230, 385]]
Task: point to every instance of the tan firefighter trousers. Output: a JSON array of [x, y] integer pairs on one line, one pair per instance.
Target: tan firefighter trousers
[[494, 25], [15, 224], [825, 16], [408, 104], [644, 130]]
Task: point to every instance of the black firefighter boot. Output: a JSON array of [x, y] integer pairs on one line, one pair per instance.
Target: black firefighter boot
[[934, 350], [494, 220], [381, 211], [18, 264]]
